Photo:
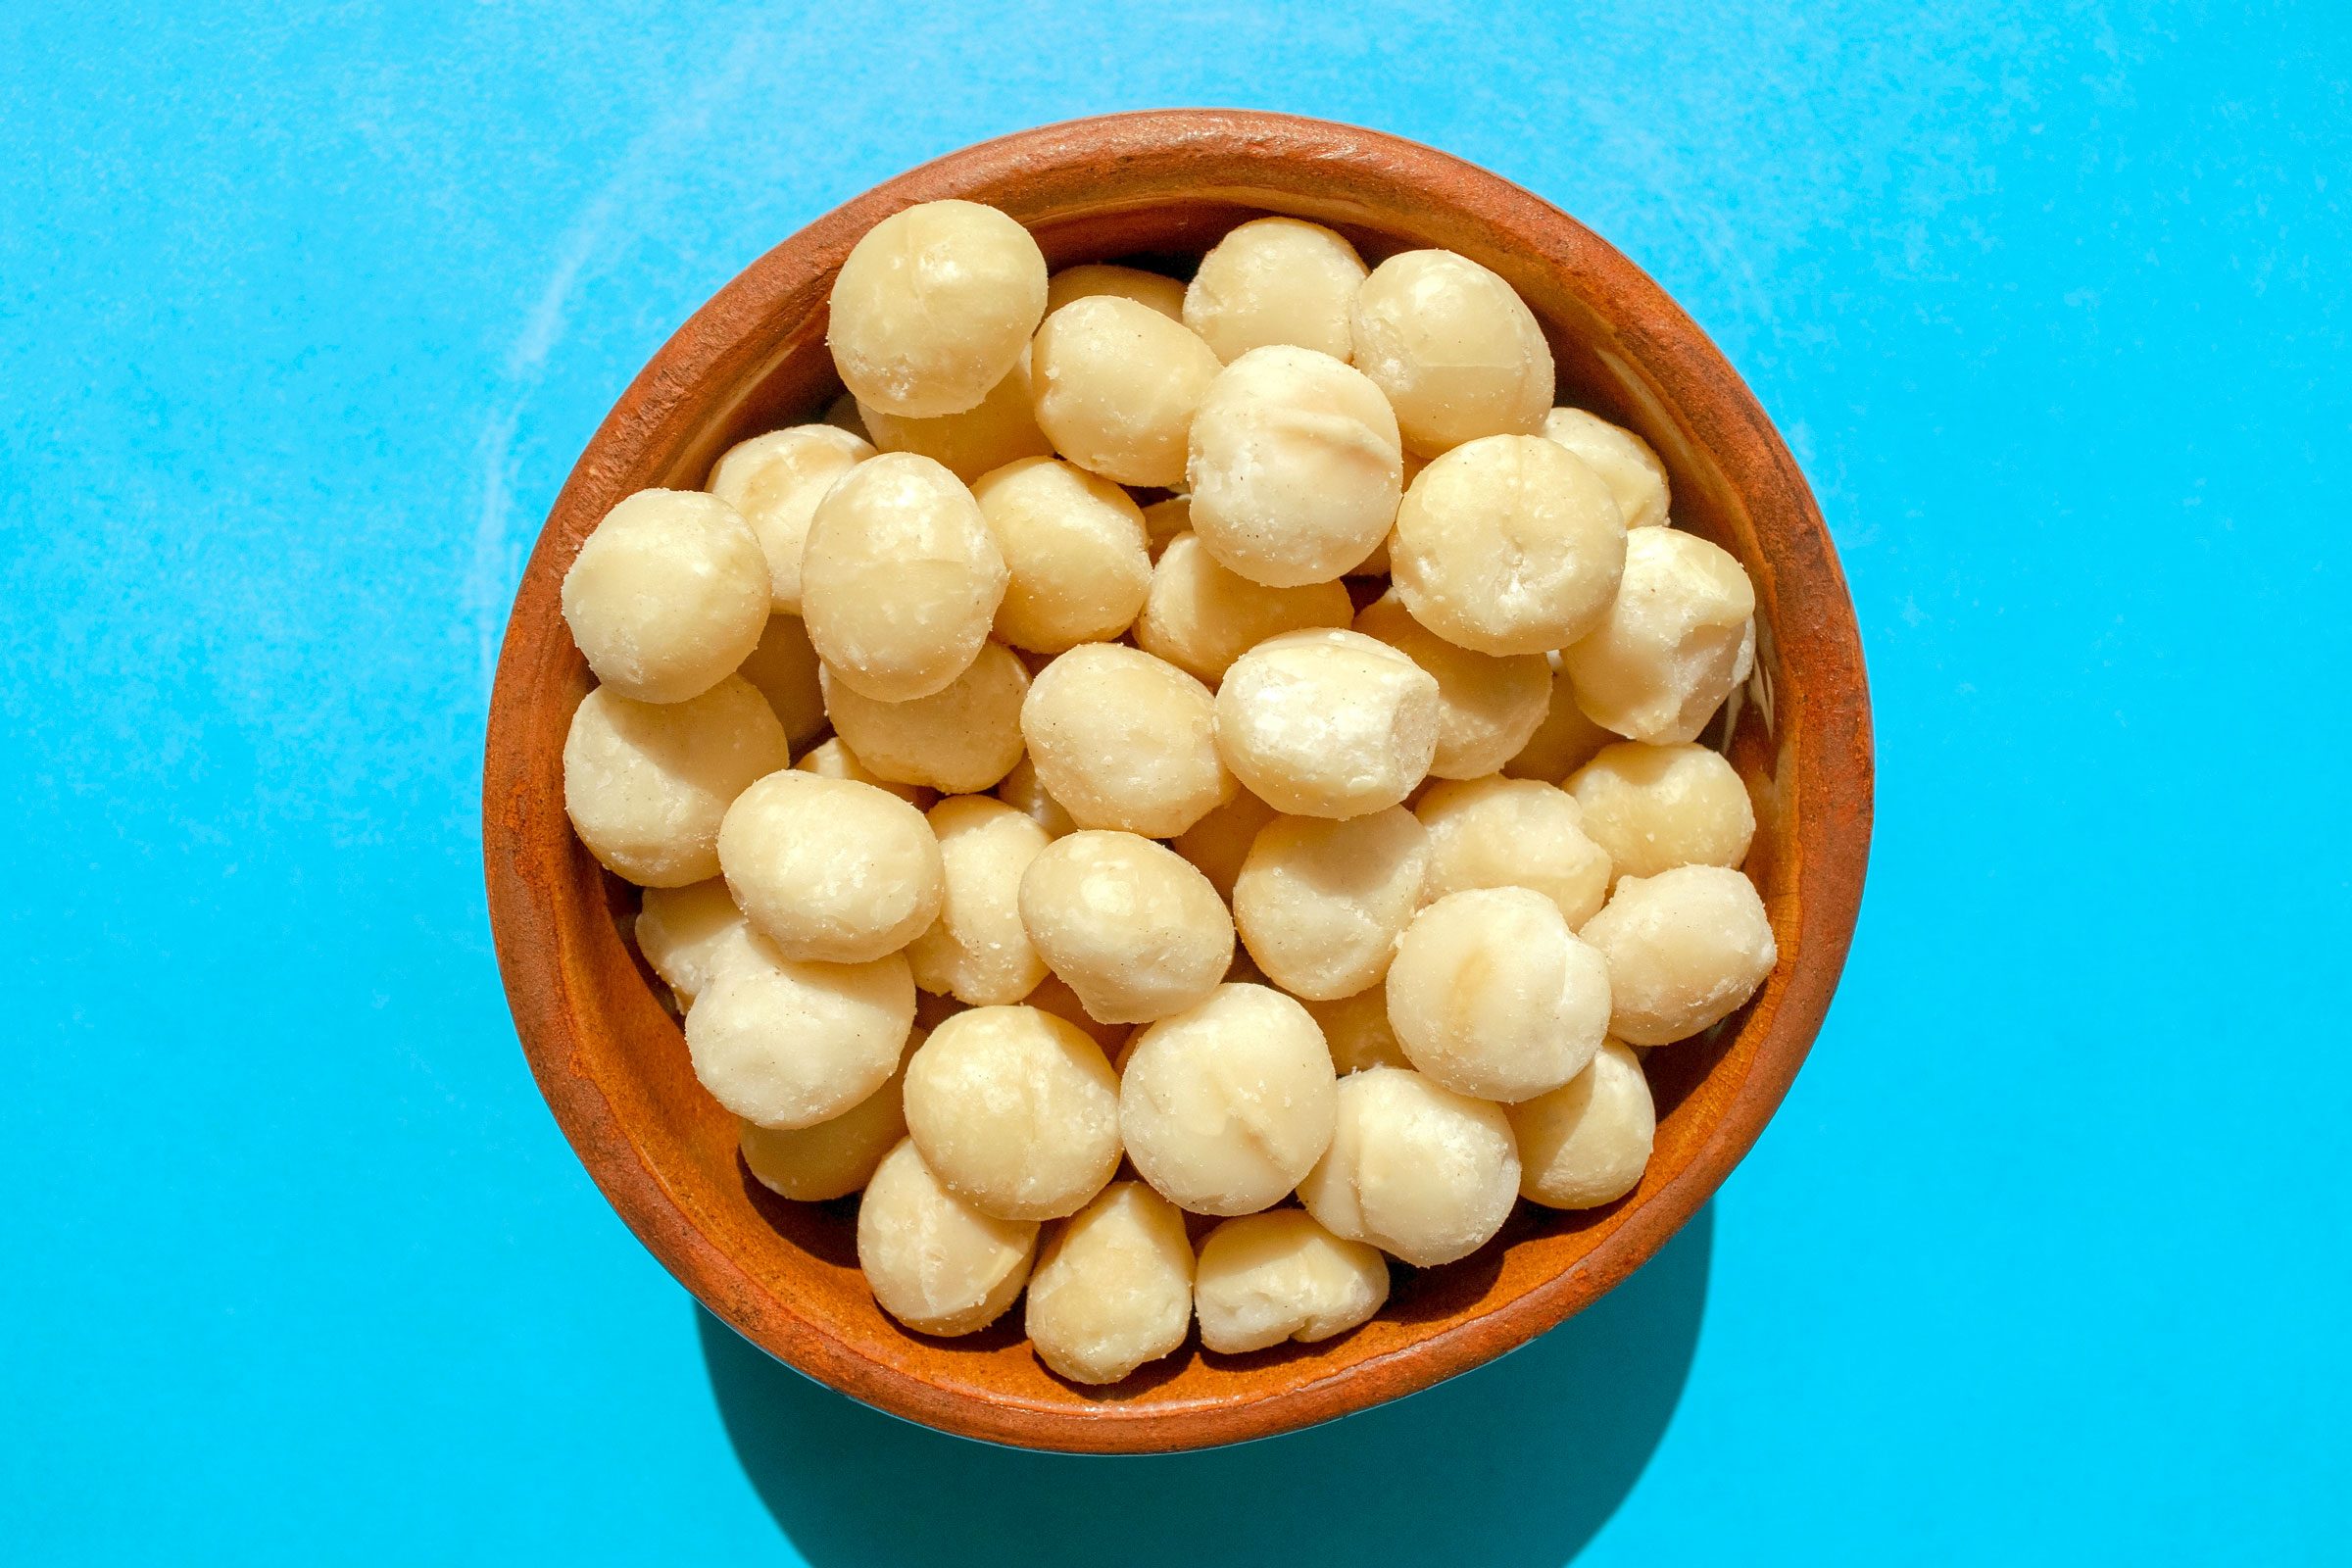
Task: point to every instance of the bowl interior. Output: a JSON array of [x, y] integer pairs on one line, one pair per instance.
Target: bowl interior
[[613, 1060]]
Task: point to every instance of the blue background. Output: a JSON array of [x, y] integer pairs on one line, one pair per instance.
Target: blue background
[[301, 323]]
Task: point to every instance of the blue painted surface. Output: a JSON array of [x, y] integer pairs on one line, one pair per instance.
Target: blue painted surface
[[301, 323]]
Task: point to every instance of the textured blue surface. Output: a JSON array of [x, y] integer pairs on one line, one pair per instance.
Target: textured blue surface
[[299, 325]]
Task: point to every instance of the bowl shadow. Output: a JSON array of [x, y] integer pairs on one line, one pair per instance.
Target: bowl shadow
[[1519, 1462]]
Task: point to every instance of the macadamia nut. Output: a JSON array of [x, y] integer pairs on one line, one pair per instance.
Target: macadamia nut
[[787, 1043], [1074, 546], [1220, 842], [1684, 949], [828, 869], [978, 949], [1137, 933], [832, 758], [1512, 833], [1163, 520], [1492, 994], [1276, 281], [1016, 1110], [933, 307], [964, 737], [1655, 808], [1266, 1278], [647, 784], [1667, 652], [1624, 460], [1025, 793], [1320, 903], [1162, 294], [1455, 350], [1488, 707], [775, 481], [1414, 1169], [1588, 1141], [1054, 996], [784, 668], [683, 932], [1113, 1286], [1001, 429], [1117, 383], [1356, 1029], [1564, 742], [1125, 741], [936, 1262], [833, 1159], [1200, 617], [668, 595], [1327, 723]]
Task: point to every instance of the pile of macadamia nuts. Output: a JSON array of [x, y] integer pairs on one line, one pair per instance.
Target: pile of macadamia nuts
[[1281, 608]]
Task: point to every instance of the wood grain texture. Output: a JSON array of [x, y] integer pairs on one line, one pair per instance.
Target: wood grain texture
[[612, 1062]]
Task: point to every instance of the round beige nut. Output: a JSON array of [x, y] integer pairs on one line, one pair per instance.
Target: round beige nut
[[668, 595], [1084, 282], [784, 666], [1136, 932], [1488, 707], [933, 307], [1125, 741], [1276, 281], [1512, 833], [1455, 350], [1564, 742], [1414, 1169], [1266, 1278], [1686, 949], [1588, 1141], [1163, 520], [1655, 808], [1294, 468], [1508, 544], [1220, 842], [1117, 383], [787, 1043], [829, 869], [1327, 723], [1001, 429], [1320, 903], [1113, 1286], [647, 784], [901, 579], [1201, 617], [934, 1260], [831, 758], [833, 1159], [1016, 1110], [1492, 994], [964, 737], [1226, 1105], [1667, 652], [1054, 996], [1356, 1029], [1625, 462], [1074, 546], [1025, 793], [775, 481], [683, 932], [978, 951]]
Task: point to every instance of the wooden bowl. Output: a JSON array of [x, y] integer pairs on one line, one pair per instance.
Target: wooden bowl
[[613, 1063]]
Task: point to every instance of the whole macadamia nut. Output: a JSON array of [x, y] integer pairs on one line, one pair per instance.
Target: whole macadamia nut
[[1136, 931], [1455, 350], [832, 758], [1162, 294], [1074, 546], [1488, 706], [1624, 460], [1588, 1141], [775, 481], [933, 307], [1357, 1030], [1113, 1286], [1327, 723], [1200, 617], [1655, 808], [1220, 842], [964, 737], [1001, 429], [935, 1260], [1564, 742], [647, 784], [1125, 741], [1117, 383], [668, 595], [1492, 994], [1016, 1110], [1414, 1169], [1508, 544], [683, 933], [787, 1043], [829, 869], [833, 1159], [1023, 790], [1226, 1105], [1667, 651], [1294, 468], [1276, 281], [978, 951], [1512, 833], [784, 668], [1684, 949], [1320, 903], [1266, 1278]]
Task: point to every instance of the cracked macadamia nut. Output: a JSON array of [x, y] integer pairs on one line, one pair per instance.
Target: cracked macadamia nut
[[1655, 808], [936, 1262], [1414, 1169], [1117, 383], [1357, 1030], [964, 737], [1113, 1286], [775, 481], [833, 759], [1220, 842], [787, 1043], [784, 668], [1508, 544], [833, 1159], [1001, 429], [1266, 1278], [1456, 352], [685, 932], [1025, 793], [647, 784], [1162, 294], [1588, 1141], [1226, 1105], [668, 595], [1125, 741], [1512, 833], [1016, 1109], [1492, 994], [1276, 281], [1564, 742], [1667, 651], [978, 951], [829, 869], [1320, 903], [1074, 546], [933, 307], [1488, 707], [1200, 617], [1623, 460], [1684, 949], [1294, 468], [1327, 723], [1137, 933], [901, 579]]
